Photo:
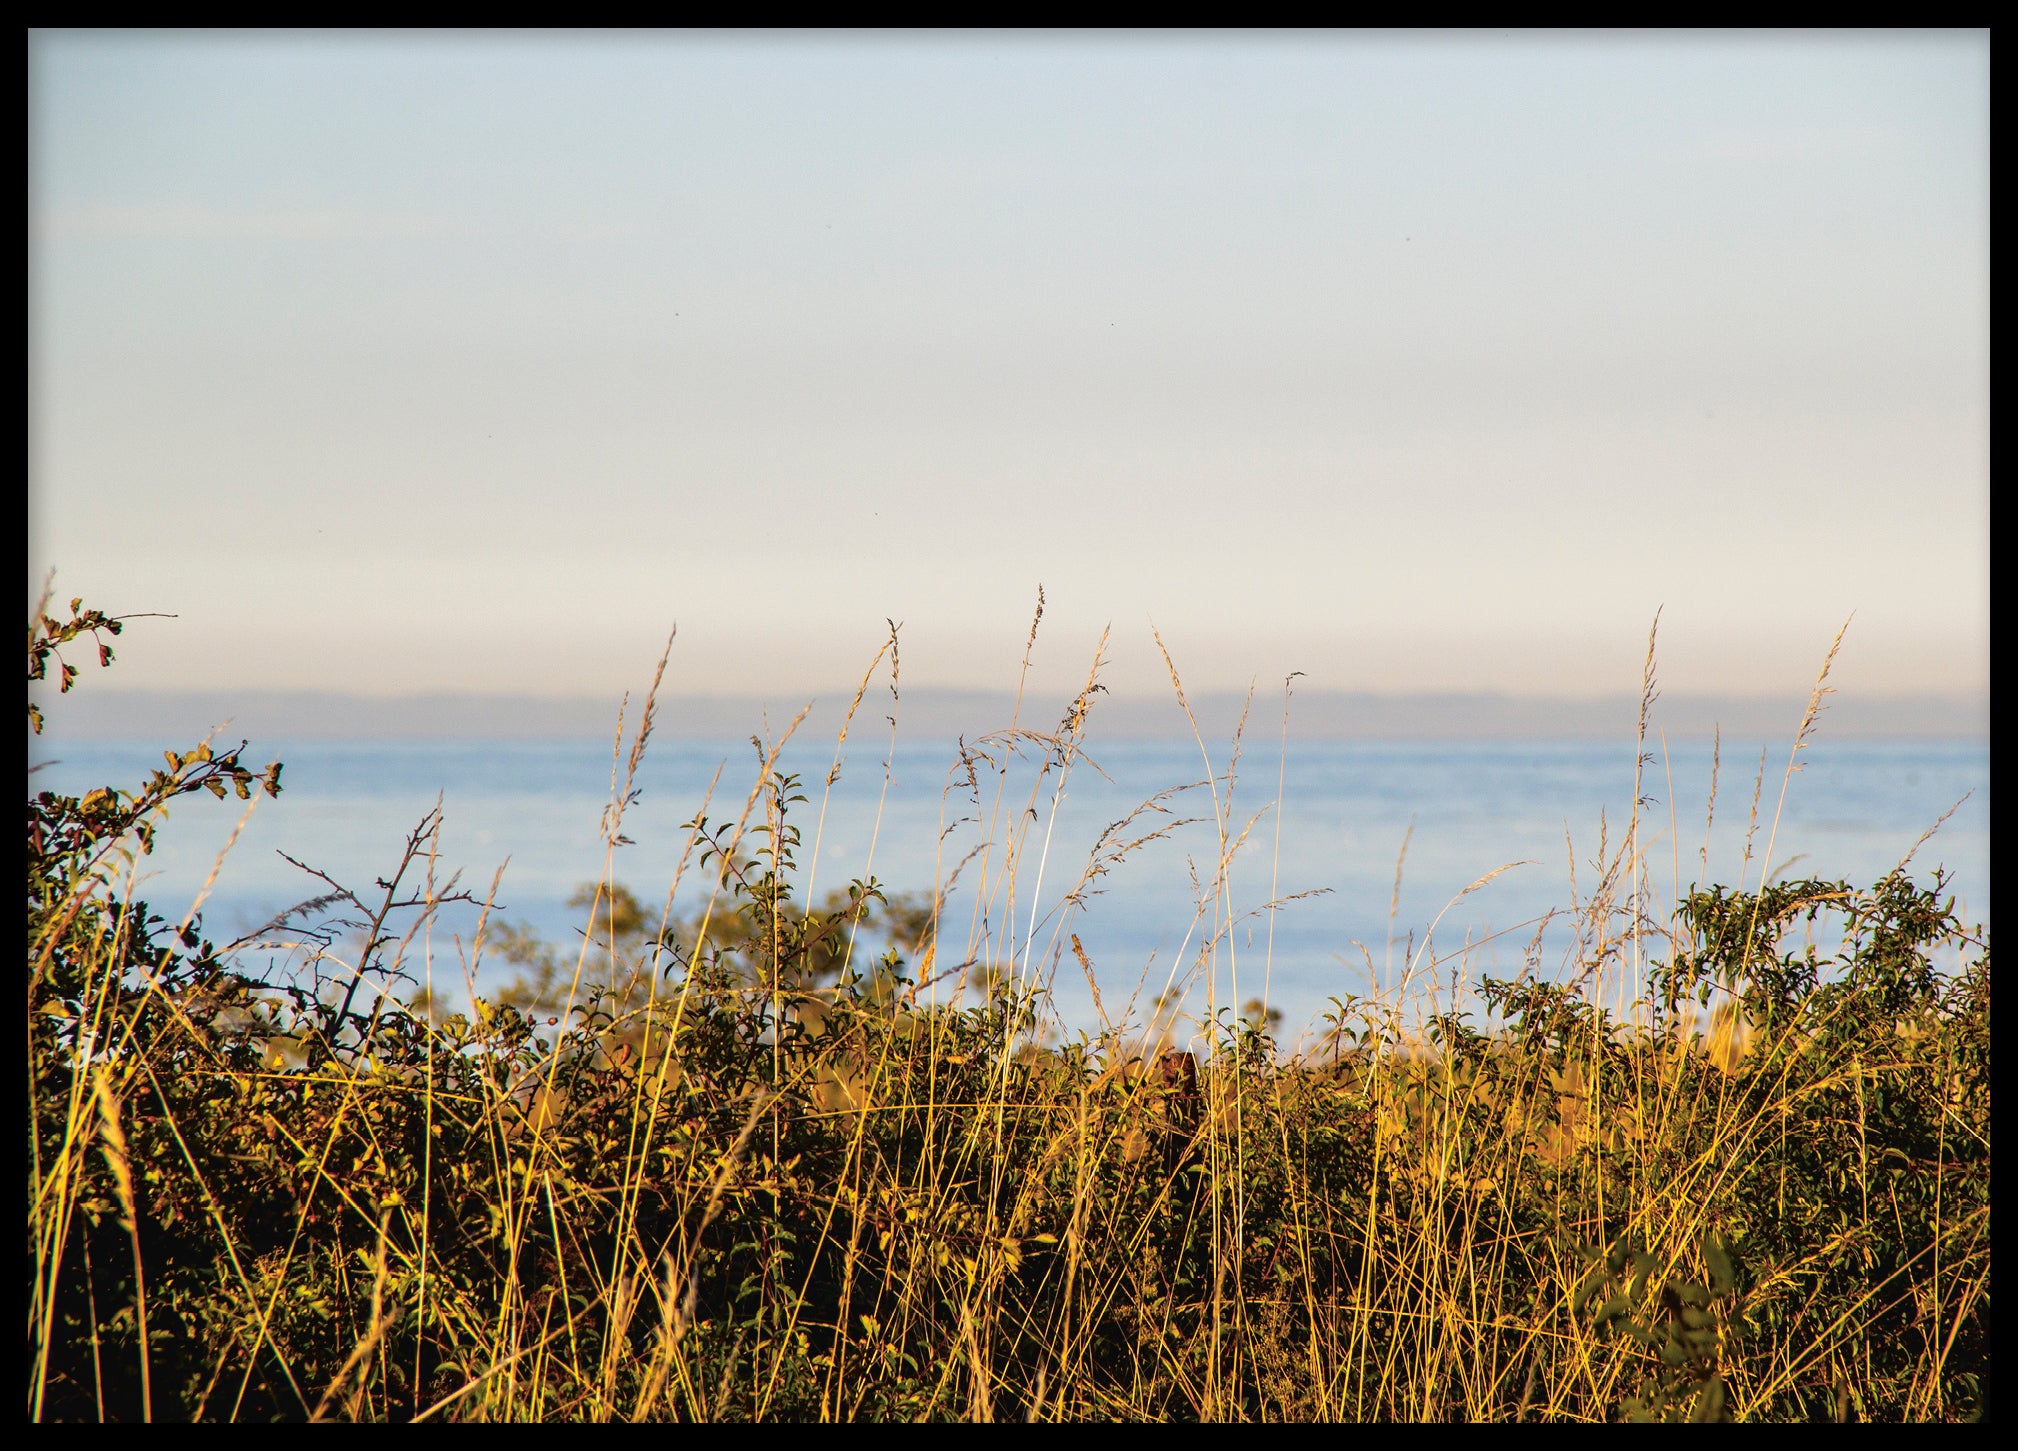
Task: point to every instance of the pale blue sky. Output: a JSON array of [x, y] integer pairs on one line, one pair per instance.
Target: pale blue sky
[[392, 364]]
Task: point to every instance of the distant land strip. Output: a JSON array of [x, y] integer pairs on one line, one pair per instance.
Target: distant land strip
[[174, 717]]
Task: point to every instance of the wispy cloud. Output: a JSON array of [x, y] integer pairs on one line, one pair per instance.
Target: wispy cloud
[[191, 220]]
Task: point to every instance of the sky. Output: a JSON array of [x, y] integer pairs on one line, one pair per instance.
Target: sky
[[392, 363]]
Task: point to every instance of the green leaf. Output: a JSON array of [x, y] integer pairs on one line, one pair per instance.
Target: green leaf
[[1717, 1255]]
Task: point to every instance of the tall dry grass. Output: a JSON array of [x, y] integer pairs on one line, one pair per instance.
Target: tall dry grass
[[743, 1165]]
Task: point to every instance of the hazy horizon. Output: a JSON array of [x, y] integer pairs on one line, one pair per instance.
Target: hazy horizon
[[393, 363], [93, 713]]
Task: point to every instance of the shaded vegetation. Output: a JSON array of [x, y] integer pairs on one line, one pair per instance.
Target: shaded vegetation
[[744, 1166]]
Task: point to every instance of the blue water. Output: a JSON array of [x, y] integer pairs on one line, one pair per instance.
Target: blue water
[[1463, 808]]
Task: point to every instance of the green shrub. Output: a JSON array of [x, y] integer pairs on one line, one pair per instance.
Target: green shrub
[[741, 1166]]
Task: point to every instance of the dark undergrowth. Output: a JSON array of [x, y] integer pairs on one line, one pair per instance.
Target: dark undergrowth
[[745, 1166]]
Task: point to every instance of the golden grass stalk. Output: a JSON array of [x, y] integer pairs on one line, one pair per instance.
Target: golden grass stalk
[[760, 1199]]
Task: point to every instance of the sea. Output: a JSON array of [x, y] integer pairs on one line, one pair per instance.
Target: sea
[[1305, 873]]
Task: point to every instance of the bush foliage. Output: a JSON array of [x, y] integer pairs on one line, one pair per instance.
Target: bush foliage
[[741, 1167]]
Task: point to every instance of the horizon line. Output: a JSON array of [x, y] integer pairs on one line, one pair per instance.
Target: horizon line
[[109, 713]]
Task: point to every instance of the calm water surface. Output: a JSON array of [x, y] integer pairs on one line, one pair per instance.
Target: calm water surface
[[1463, 808]]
